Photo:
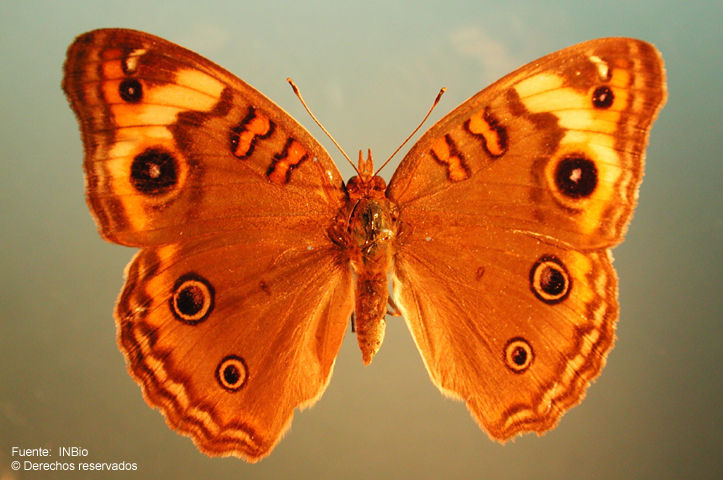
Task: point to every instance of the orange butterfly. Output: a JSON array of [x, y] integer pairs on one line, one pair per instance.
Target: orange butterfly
[[254, 253]]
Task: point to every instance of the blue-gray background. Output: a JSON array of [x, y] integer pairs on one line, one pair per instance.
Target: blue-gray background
[[370, 70]]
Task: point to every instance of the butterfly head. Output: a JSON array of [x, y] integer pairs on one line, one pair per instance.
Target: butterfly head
[[366, 184]]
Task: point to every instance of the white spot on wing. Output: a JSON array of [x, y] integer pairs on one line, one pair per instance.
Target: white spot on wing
[[131, 61], [603, 69]]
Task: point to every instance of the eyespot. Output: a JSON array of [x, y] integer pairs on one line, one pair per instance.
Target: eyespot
[[576, 176], [518, 355], [603, 97], [154, 172], [131, 90], [232, 373], [192, 299], [549, 280]]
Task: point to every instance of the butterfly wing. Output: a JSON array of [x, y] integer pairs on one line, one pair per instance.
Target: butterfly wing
[[176, 146], [234, 310], [227, 348], [507, 208]]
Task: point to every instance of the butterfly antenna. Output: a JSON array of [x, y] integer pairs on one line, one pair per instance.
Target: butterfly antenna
[[308, 110], [436, 101]]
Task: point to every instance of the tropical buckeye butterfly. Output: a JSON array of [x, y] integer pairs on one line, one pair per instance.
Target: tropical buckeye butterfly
[[496, 227]]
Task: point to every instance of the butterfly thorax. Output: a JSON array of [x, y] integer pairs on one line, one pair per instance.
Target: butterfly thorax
[[365, 228]]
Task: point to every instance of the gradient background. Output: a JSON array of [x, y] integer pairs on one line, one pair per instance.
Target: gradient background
[[369, 72]]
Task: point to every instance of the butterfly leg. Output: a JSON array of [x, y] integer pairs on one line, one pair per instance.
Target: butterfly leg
[[393, 309]]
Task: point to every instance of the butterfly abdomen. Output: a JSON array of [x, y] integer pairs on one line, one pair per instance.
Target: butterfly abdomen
[[371, 306]]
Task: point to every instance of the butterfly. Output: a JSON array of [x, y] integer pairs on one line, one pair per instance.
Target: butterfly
[[254, 253]]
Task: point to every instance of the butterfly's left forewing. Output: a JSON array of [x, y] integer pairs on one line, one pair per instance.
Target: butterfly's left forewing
[[507, 209], [174, 143], [234, 310]]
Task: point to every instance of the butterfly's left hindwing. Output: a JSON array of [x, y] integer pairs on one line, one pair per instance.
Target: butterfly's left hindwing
[[507, 209], [227, 348]]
